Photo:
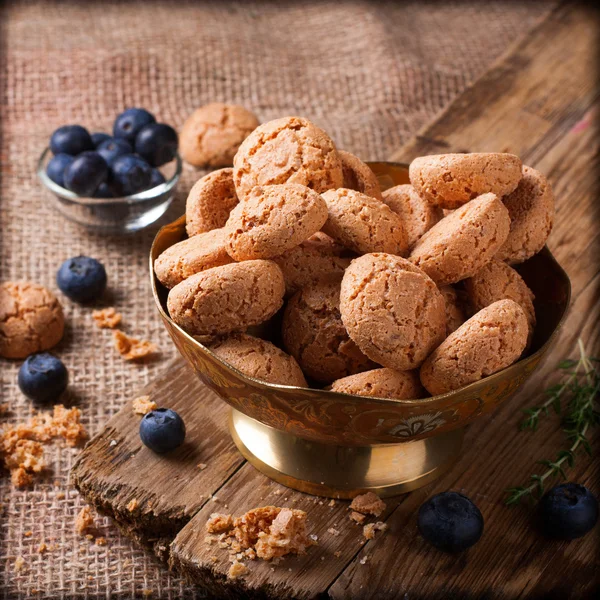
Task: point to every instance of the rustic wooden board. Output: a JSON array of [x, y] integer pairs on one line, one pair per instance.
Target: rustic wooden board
[[539, 101]]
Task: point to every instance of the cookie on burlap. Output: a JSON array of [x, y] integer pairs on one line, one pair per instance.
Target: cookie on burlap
[[188, 257], [273, 219], [31, 319], [228, 298], [531, 210], [451, 180], [209, 202], [382, 383], [498, 281], [318, 258], [313, 333], [464, 241], [455, 311], [392, 310], [287, 150], [213, 133], [418, 215], [488, 342], [363, 224], [358, 176], [259, 359]]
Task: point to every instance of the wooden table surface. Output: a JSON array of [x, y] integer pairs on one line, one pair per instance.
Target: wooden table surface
[[539, 101]]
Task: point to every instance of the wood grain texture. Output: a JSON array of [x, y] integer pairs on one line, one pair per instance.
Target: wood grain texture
[[539, 101]]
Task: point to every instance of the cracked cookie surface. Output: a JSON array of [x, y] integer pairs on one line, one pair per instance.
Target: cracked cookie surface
[[273, 219], [451, 180], [531, 210], [209, 202], [418, 215], [364, 224], [188, 257], [392, 310], [228, 298], [382, 383], [313, 333], [358, 176], [464, 241], [287, 150], [31, 319], [213, 133], [488, 342], [259, 359]]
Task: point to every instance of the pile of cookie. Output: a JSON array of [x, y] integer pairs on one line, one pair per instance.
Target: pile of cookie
[[396, 294]]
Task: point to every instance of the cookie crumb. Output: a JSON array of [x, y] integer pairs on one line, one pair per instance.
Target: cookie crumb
[[236, 570], [60, 496], [357, 517], [28, 533], [333, 531], [19, 563], [106, 318], [332, 502], [143, 405], [219, 523], [370, 529], [368, 504], [101, 541], [42, 548], [84, 520], [146, 592], [364, 560], [133, 505], [337, 553], [132, 348], [201, 466]]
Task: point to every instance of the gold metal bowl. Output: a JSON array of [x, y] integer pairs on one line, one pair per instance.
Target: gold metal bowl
[[335, 444]]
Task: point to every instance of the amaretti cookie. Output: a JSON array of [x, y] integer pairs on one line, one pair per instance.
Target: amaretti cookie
[[488, 342], [358, 176], [313, 333], [364, 224], [318, 258], [392, 310], [31, 319], [455, 310], [382, 383], [531, 210], [228, 298], [418, 215], [464, 241], [451, 180], [213, 133], [259, 359], [273, 219], [190, 256], [209, 202], [287, 150], [497, 281]]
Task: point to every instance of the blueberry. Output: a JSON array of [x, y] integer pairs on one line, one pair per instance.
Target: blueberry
[[104, 191], [567, 511], [43, 377], [162, 430], [99, 137], [129, 122], [112, 148], [56, 168], [157, 143], [156, 179], [86, 173], [130, 174], [81, 278], [71, 139], [450, 522]]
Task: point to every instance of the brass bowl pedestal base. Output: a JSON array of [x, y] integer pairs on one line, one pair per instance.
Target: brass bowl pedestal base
[[343, 471]]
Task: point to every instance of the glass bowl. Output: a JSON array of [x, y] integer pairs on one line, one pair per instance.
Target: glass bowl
[[114, 215]]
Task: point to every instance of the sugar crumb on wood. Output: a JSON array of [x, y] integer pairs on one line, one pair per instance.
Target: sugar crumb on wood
[[106, 318], [133, 349]]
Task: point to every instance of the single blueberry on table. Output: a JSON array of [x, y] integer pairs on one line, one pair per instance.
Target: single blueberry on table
[[129, 122], [567, 511], [162, 430], [157, 178], [104, 191], [450, 522], [87, 171], [130, 174], [81, 278], [99, 137], [43, 377], [56, 168], [157, 144], [71, 139], [112, 148]]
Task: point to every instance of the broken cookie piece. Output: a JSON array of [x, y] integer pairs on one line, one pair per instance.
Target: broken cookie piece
[[368, 504], [106, 318], [143, 405], [370, 529], [219, 523], [131, 348]]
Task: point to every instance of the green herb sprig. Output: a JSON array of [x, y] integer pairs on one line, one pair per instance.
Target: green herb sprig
[[578, 391]]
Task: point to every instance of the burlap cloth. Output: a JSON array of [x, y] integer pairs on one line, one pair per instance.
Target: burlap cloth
[[370, 74]]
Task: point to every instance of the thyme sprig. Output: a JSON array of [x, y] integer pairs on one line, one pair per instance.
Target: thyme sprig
[[579, 391]]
